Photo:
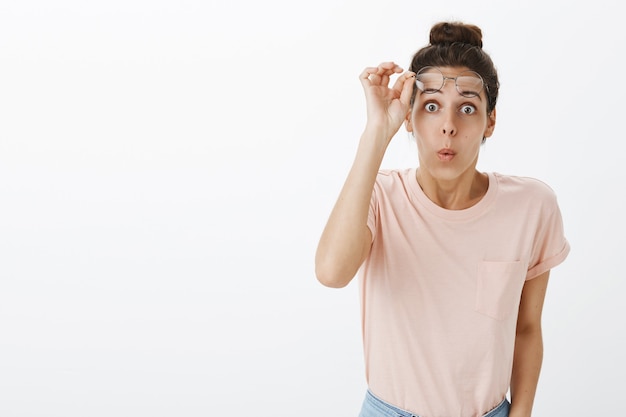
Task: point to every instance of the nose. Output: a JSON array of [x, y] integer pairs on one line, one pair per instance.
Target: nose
[[448, 127], [448, 130]]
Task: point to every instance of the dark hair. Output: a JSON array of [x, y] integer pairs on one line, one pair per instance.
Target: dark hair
[[457, 44]]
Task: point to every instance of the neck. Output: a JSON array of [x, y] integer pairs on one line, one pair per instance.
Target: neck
[[454, 194]]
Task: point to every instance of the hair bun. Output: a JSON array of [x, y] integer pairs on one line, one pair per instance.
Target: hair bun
[[445, 33]]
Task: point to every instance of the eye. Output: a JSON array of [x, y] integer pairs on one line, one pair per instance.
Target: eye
[[468, 109], [431, 107]]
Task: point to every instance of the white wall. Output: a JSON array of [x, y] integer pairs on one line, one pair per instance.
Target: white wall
[[166, 168]]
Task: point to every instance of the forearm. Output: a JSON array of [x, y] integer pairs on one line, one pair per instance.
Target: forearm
[[342, 245], [346, 240], [527, 362]]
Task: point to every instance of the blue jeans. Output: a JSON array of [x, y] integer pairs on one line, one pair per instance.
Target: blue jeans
[[375, 407]]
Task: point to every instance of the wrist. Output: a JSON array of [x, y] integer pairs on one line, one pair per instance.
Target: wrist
[[378, 133], [519, 412]]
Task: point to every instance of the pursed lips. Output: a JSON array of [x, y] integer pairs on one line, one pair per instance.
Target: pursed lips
[[446, 154]]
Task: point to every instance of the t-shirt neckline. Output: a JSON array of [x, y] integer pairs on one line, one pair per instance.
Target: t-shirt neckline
[[476, 210]]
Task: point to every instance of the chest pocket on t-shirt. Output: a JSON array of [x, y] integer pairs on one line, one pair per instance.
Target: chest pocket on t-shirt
[[498, 288]]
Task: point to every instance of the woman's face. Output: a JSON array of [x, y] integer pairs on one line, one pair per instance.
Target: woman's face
[[449, 127]]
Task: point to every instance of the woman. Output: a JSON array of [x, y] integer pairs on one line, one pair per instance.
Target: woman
[[454, 263]]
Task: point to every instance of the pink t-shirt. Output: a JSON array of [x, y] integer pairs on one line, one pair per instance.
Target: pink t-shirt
[[440, 290]]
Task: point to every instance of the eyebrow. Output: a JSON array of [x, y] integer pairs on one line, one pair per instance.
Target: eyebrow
[[422, 92]]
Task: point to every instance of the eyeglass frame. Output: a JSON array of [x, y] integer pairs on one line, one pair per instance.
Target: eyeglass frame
[[444, 78]]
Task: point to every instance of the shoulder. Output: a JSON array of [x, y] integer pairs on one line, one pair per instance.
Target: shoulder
[[526, 196], [392, 173], [387, 177], [394, 182], [520, 187], [394, 186]]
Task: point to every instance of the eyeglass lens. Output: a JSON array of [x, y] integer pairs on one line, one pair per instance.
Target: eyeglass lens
[[468, 83]]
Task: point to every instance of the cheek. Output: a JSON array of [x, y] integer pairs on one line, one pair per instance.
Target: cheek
[[424, 122], [472, 125]]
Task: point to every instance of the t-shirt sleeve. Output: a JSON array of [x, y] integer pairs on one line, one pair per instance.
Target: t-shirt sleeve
[[372, 216], [550, 247]]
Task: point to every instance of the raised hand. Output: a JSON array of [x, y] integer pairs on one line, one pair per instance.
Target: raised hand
[[387, 107], [347, 239]]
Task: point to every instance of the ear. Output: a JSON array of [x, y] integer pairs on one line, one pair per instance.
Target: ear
[[491, 124], [407, 122]]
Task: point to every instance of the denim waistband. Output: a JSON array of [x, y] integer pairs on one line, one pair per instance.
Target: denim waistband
[[383, 407], [501, 410]]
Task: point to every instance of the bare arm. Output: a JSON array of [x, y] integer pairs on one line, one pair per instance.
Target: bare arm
[[528, 355], [346, 239]]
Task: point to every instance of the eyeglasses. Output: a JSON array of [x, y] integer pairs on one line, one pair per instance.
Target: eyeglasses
[[431, 79]]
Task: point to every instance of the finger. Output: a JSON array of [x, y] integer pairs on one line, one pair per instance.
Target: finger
[[401, 81], [407, 88], [384, 79], [379, 75], [386, 70], [370, 76], [364, 77], [389, 67], [368, 71]]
